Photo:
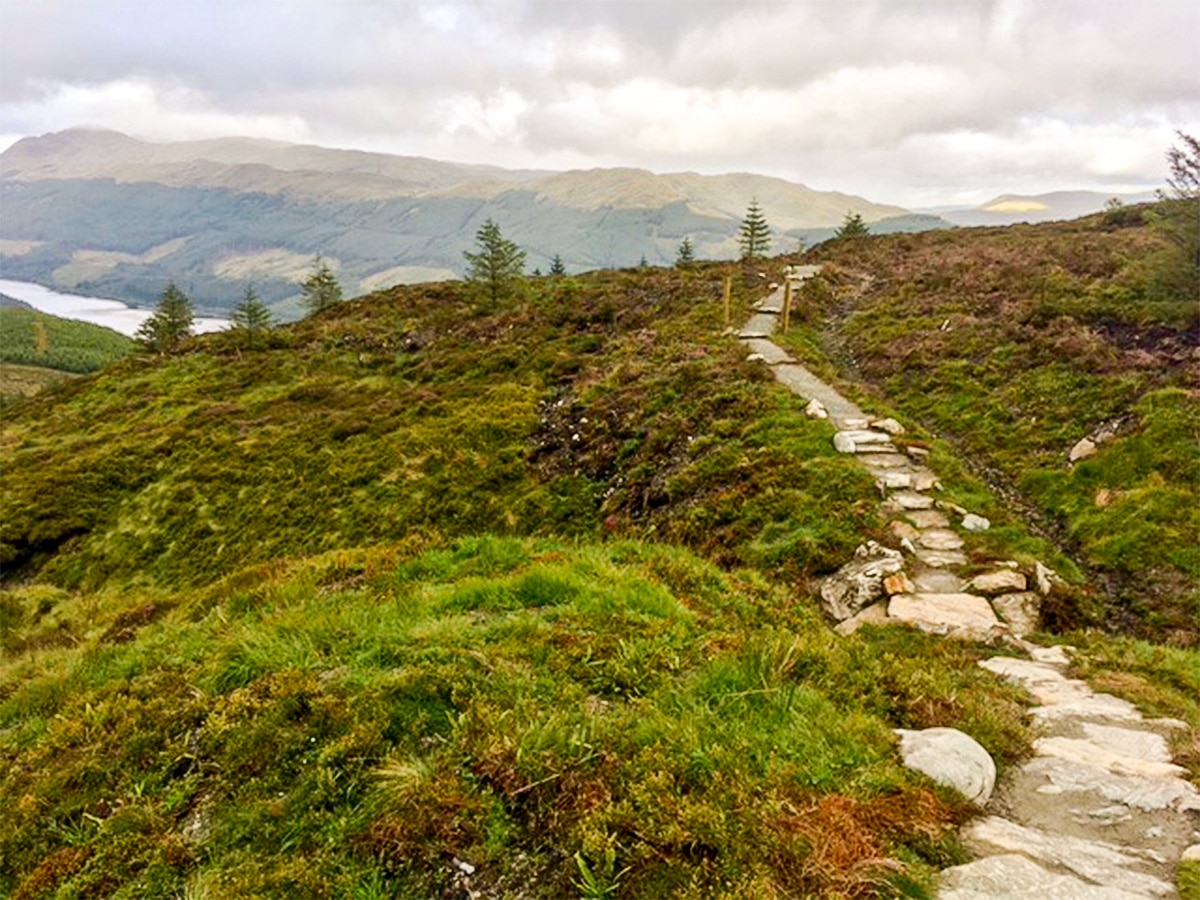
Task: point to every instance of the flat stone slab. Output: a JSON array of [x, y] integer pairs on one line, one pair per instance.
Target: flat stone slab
[[875, 614], [761, 325], [1061, 697], [910, 500], [944, 613], [1015, 876], [1072, 776], [938, 581], [1021, 611], [850, 441], [800, 381], [939, 539], [891, 479], [941, 559], [1002, 581], [928, 518], [883, 460], [950, 758], [771, 352], [1096, 862], [1089, 753]]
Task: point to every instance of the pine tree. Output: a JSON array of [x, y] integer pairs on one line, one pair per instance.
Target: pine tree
[[755, 235], [498, 265], [321, 289], [853, 226], [684, 256], [170, 324], [556, 266], [250, 317]]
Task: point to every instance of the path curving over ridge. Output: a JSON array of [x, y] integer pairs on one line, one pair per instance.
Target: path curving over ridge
[[1101, 812]]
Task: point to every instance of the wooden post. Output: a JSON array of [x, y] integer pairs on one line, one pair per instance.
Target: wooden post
[[728, 290], [787, 302]]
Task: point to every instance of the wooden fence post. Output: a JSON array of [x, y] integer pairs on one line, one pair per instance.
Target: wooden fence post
[[728, 290], [787, 303]]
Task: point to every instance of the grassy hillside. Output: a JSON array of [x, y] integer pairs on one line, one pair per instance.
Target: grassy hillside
[[32, 338], [1014, 344], [418, 598]]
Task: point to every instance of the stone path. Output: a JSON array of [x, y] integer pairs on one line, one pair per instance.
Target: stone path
[[1100, 811]]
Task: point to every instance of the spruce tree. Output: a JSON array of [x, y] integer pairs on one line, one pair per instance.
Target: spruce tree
[[755, 235], [556, 266], [170, 324], [684, 256], [853, 226], [250, 317], [498, 265], [321, 289]]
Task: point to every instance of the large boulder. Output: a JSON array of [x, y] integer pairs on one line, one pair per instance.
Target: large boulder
[[860, 582], [950, 758]]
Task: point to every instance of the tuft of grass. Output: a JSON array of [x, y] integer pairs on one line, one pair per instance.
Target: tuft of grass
[[620, 718]]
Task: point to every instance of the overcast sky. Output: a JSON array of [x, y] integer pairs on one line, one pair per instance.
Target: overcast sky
[[916, 103]]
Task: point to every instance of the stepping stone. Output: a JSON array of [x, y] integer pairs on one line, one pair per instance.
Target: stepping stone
[[1002, 581], [955, 614], [924, 480], [891, 480], [1017, 877], [891, 426], [928, 518], [941, 559], [903, 530], [849, 441], [1021, 611], [898, 584], [1090, 753], [918, 453], [1134, 791], [910, 500], [972, 522], [938, 582], [883, 460], [770, 352], [1094, 861], [940, 539]]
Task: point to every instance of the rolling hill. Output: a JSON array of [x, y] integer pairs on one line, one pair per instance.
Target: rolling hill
[[100, 212]]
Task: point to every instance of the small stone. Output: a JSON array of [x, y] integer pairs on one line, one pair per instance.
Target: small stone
[[902, 530], [849, 440], [875, 614], [1153, 833], [999, 582], [1046, 578], [925, 480], [756, 357], [918, 453], [951, 507], [894, 480], [950, 758], [1082, 450], [940, 539], [1191, 854], [911, 500], [928, 518], [1014, 876], [1021, 612], [972, 522], [898, 584], [1103, 498], [891, 426], [816, 409]]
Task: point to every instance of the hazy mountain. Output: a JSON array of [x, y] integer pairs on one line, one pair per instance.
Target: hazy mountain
[[100, 212], [1008, 209]]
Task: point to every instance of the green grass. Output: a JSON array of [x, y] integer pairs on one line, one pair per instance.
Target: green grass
[[1012, 344], [32, 338], [605, 405], [539, 709]]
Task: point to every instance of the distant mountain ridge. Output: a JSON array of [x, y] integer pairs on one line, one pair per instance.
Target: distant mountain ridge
[[1009, 209], [101, 212]]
